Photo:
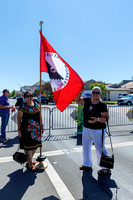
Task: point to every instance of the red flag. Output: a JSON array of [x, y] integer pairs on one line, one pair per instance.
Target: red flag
[[65, 82]]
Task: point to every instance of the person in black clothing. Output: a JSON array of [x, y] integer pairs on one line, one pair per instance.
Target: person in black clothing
[[29, 128], [95, 115], [20, 100]]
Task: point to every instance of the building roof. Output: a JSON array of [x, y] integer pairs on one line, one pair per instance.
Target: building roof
[[116, 89], [38, 83], [128, 85], [125, 82]]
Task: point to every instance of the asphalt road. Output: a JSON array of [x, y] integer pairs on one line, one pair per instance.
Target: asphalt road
[[63, 179]]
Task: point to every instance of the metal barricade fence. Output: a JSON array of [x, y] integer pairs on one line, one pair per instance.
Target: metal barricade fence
[[54, 119], [46, 118], [118, 115], [12, 124], [65, 119]]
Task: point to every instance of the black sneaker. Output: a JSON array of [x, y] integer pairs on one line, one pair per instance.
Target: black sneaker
[[82, 167]]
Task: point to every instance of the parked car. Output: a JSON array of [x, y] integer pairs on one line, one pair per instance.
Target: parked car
[[127, 100], [123, 95], [44, 100]]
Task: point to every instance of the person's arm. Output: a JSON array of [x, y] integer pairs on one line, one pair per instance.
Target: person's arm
[[6, 107], [80, 100], [19, 117], [104, 116], [102, 119]]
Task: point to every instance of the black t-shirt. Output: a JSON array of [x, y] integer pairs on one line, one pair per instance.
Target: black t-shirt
[[19, 101], [93, 110]]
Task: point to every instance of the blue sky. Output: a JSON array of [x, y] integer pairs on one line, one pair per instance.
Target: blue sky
[[94, 37]]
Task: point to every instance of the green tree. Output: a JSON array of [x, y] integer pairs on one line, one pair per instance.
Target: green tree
[[13, 93], [36, 93], [46, 89], [101, 85]]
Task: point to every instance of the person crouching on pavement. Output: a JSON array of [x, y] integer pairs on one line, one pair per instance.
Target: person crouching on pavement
[[95, 115], [29, 128], [4, 113]]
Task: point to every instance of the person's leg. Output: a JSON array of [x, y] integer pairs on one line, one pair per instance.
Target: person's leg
[[97, 138], [7, 118], [6, 123], [30, 156], [87, 143], [3, 125], [33, 152]]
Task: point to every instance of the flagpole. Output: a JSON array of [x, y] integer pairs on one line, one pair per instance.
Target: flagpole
[[41, 22], [41, 158]]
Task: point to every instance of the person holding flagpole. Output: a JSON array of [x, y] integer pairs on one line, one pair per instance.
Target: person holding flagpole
[[95, 115], [29, 129]]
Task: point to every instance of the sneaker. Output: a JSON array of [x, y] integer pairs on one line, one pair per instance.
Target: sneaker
[[82, 167]]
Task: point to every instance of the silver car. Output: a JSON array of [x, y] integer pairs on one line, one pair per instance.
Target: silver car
[[127, 100]]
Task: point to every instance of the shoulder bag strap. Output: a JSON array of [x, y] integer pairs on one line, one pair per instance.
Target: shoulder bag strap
[[109, 134]]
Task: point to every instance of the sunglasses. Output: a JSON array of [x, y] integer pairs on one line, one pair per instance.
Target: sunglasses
[[30, 95], [95, 92]]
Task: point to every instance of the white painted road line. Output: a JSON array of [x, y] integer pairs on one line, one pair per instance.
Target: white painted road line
[[58, 184], [68, 151]]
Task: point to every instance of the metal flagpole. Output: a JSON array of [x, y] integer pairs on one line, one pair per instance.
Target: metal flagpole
[[41, 158], [41, 22]]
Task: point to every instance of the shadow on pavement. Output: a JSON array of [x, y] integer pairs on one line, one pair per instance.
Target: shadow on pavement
[[17, 185], [63, 137], [50, 198], [10, 143], [97, 189]]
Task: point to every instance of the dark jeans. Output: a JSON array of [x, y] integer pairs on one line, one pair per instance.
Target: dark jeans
[[4, 122]]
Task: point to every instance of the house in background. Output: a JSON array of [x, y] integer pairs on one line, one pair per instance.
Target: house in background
[[113, 93], [36, 86], [26, 87], [125, 82], [32, 88], [112, 90], [128, 85]]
